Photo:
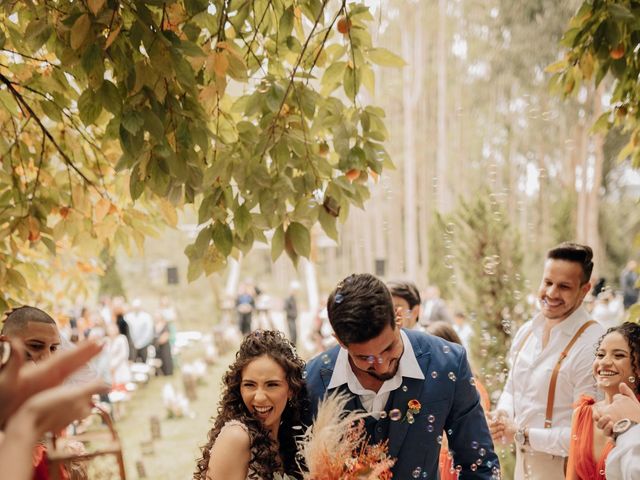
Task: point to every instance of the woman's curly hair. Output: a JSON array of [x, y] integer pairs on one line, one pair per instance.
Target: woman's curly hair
[[264, 459], [631, 333]]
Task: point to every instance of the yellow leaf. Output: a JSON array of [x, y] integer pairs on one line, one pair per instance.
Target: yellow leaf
[[556, 67], [169, 212], [112, 36], [79, 31], [101, 209], [95, 5], [221, 63]]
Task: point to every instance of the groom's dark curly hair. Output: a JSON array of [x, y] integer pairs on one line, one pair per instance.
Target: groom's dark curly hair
[[264, 459]]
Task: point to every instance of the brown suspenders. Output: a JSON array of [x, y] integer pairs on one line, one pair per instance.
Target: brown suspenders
[[554, 375]]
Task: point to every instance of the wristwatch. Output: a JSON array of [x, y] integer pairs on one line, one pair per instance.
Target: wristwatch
[[522, 436], [622, 426]]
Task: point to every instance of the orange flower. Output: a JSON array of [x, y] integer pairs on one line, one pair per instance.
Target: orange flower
[[414, 406]]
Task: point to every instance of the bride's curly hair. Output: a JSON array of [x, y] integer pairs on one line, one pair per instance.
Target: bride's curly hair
[[264, 455], [631, 333]]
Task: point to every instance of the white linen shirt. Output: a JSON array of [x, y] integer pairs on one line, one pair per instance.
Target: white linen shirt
[[373, 402], [525, 394]]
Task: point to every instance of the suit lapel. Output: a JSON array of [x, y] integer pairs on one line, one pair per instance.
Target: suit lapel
[[413, 391]]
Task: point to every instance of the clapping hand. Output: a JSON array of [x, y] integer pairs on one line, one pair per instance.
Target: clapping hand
[[624, 405], [502, 428]]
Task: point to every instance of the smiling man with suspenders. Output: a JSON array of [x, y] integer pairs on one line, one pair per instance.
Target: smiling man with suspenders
[[551, 358]]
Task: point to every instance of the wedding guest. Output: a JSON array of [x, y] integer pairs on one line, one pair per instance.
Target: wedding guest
[[263, 398], [617, 361], [413, 385], [32, 401], [406, 301], [35, 329], [119, 357], [551, 366]]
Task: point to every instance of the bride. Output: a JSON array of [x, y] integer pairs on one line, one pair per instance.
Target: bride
[[264, 395]]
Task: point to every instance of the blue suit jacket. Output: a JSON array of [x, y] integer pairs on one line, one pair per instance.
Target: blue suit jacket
[[449, 403]]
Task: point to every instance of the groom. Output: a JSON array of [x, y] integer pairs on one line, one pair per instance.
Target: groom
[[385, 368]]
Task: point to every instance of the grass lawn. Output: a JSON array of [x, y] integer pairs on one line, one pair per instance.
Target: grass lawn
[[175, 454]]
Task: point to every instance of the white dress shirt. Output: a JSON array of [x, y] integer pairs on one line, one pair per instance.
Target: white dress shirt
[[525, 394], [373, 402], [623, 462]]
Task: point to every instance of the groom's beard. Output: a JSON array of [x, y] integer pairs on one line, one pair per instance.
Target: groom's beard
[[383, 377]]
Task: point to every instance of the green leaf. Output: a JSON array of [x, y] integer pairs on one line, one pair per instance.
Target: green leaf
[[50, 244], [299, 237], [51, 110], [242, 220], [332, 76], [351, 82], [620, 12], [277, 243], [328, 223], [79, 31], [132, 121], [153, 125], [110, 97], [194, 270], [285, 25], [89, 107], [385, 58], [223, 238]]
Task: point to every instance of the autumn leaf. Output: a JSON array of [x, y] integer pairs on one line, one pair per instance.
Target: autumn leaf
[[79, 31]]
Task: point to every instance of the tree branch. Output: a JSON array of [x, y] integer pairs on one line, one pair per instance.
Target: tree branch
[[294, 71], [18, 96]]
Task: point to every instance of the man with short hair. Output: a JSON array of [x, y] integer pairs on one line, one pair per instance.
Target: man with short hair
[[141, 329], [36, 329], [434, 308], [551, 358], [406, 301], [415, 387]]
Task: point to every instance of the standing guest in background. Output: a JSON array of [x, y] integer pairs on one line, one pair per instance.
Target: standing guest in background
[[245, 304], [118, 310], [551, 359], [463, 329], [628, 280], [413, 385], [170, 315], [141, 329], [163, 346], [434, 308], [406, 302], [291, 311], [617, 360], [119, 357], [608, 309]]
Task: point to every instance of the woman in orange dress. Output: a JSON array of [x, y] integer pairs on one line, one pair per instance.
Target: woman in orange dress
[[445, 330], [617, 361]]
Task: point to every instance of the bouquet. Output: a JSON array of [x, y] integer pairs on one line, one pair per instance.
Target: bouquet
[[335, 447]]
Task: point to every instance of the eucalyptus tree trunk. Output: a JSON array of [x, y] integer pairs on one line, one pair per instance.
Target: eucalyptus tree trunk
[[412, 87], [441, 158]]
